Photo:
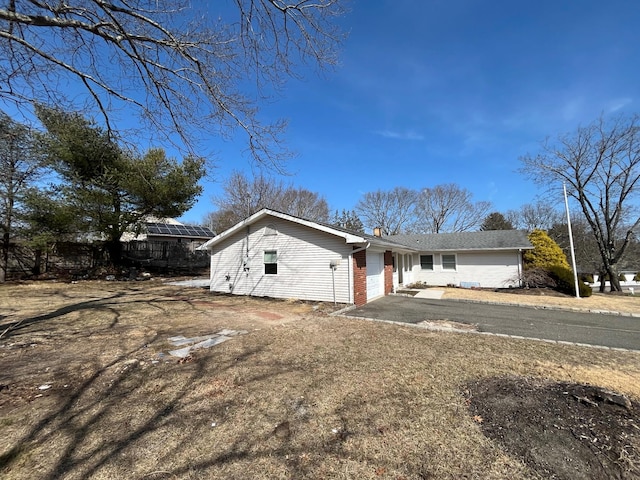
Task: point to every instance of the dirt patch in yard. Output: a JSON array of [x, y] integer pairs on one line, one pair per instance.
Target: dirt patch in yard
[[301, 395], [560, 430]]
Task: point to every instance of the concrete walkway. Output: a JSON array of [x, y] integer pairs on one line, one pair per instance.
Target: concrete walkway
[[194, 282], [429, 293]]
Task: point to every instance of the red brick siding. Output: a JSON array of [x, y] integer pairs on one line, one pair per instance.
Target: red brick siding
[[360, 278], [388, 272]]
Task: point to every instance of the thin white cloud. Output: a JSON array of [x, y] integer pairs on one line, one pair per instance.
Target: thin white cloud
[[617, 104], [409, 135]]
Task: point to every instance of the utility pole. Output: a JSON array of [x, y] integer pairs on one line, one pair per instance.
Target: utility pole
[[573, 255]]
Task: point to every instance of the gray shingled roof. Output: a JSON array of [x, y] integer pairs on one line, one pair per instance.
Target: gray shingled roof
[[489, 240]]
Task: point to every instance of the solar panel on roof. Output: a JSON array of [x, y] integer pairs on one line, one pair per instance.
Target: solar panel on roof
[[179, 230]]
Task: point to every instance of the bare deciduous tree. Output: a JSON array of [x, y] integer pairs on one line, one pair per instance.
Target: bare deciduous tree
[[243, 197], [186, 72], [600, 165], [448, 208], [542, 215], [303, 203], [391, 211]]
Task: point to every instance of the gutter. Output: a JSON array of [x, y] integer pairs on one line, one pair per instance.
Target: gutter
[[361, 248]]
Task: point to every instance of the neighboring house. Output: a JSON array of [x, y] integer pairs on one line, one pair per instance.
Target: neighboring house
[[165, 243], [491, 259], [277, 255], [170, 230]]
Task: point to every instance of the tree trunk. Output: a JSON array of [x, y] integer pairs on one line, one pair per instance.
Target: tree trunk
[[114, 249], [613, 279], [37, 262], [603, 280], [4, 262]]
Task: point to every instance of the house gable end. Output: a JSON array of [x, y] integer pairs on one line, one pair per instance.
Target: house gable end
[[348, 237]]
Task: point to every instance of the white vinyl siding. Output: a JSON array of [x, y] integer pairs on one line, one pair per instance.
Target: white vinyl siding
[[303, 257], [490, 269]]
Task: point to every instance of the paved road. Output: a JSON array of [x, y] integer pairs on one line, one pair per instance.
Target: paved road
[[590, 328]]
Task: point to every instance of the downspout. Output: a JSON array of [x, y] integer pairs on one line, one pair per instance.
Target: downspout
[[245, 261], [361, 248], [349, 273]]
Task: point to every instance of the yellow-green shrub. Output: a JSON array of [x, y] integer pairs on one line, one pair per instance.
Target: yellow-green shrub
[[545, 254]]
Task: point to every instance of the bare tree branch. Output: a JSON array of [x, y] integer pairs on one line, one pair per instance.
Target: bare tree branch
[[185, 72], [391, 211], [243, 196], [542, 215], [449, 208]]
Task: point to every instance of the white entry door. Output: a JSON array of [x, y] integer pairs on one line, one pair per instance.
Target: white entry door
[[375, 275]]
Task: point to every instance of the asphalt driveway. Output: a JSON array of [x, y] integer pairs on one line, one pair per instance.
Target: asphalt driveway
[[613, 331]]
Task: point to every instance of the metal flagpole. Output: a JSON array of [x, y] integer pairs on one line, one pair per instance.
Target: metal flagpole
[[573, 255]]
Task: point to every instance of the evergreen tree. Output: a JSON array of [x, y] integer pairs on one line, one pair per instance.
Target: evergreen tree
[[349, 220], [20, 167], [109, 190], [496, 221]]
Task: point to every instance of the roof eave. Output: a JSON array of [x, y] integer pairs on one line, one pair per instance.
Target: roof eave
[[349, 238], [476, 249]]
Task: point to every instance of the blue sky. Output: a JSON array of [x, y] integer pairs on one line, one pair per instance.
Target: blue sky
[[432, 92], [446, 91]]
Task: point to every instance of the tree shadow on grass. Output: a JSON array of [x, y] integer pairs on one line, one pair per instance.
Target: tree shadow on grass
[[72, 432], [11, 328], [109, 303]]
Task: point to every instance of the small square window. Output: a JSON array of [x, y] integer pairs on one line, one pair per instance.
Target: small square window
[[426, 262], [271, 262], [448, 262]]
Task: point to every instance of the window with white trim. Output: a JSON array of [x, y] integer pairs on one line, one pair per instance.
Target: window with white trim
[[426, 262], [449, 262], [270, 262]]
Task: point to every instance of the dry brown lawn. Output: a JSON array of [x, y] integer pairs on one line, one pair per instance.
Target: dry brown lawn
[[301, 395]]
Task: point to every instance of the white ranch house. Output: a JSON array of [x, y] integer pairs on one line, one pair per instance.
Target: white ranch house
[[273, 254], [491, 259]]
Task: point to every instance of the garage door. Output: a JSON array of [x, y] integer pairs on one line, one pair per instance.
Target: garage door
[[375, 275]]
